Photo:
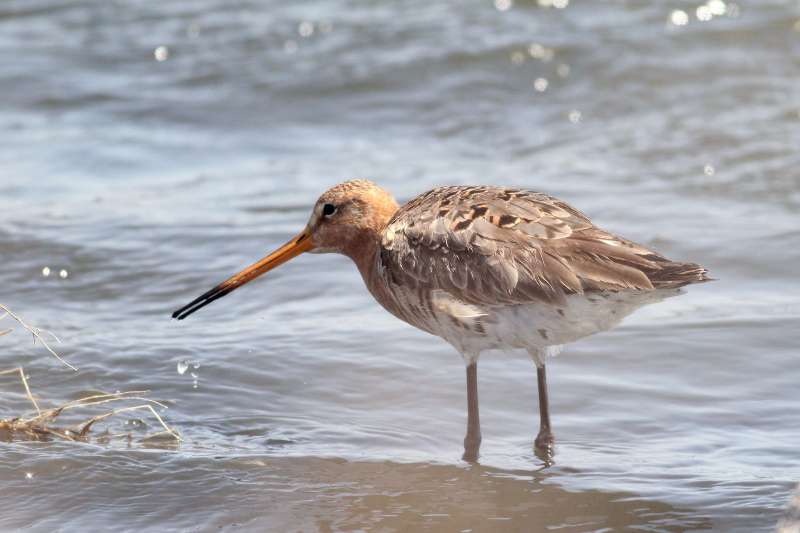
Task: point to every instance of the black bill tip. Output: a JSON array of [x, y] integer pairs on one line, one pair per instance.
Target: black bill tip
[[203, 300]]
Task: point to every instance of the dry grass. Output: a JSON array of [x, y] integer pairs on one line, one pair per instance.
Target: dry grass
[[43, 423], [38, 333]]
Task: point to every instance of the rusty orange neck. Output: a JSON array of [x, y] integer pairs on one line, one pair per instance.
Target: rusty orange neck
[[363, 247]]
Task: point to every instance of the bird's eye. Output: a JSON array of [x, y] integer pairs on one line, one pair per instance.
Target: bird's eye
[[328, 210]]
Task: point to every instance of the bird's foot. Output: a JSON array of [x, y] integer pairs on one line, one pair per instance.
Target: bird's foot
[[544, 446], [472, 445]]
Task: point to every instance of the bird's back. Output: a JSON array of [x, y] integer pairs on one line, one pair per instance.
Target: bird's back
[[473, 254]]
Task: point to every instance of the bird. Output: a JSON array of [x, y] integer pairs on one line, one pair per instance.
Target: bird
[[484, 268]]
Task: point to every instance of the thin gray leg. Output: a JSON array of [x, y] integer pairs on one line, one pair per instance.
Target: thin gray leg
[[544, 440], [472, 441]]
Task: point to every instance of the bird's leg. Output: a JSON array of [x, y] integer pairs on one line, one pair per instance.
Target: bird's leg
[[544, 440], [472, 441]]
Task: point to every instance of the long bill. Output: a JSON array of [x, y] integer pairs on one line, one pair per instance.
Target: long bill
[[301, 243]]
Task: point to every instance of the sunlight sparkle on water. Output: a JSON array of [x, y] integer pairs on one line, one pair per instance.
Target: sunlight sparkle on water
[[708, 170], [305, 29], [161, 53], [717, 7], [711, 9], [183, 366], [558, 4], [63, 273], [46, 271], [703, 13], [575, 116], [540, 84], [503, 5], [679, 17], [537, 51]]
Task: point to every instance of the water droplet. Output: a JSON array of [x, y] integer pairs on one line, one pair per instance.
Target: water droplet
[[28, 475], [183, 366], [46, 271], [63, 273], [503, 5], [708, 170], [679, 17], [161, 53], [575, 116], [540, 84], [560, 4], [196, 365]]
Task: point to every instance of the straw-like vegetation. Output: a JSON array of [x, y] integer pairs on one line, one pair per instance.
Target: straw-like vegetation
[[38, 333], [43, 423]]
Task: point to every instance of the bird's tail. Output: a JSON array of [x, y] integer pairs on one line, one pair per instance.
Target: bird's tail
[[674, 274]]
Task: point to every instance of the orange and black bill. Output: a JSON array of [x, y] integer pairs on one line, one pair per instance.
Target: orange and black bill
[[293, 248]]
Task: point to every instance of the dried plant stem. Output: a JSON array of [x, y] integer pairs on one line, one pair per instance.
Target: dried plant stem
[[37, 334], [38, 425], [147, 406], [25, 384]]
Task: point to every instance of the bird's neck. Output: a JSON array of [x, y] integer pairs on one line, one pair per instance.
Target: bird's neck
[[365, 246], [364, 252]]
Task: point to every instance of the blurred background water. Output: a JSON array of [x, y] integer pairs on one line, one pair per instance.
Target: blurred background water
[[151, 149]]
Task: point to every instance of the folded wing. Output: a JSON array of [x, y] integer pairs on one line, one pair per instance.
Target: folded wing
[[498, 246]]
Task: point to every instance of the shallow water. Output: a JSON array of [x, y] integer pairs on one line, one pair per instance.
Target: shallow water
[[149, 181]]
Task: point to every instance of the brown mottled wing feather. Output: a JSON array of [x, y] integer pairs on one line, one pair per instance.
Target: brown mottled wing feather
[[491, 246]]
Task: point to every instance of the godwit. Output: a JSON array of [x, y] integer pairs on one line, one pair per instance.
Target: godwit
[[483, 268]]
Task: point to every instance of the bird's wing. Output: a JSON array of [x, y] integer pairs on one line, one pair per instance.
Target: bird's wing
[[494, 246]]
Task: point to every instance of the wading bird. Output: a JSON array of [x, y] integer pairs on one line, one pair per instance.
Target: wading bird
[[483, 268]]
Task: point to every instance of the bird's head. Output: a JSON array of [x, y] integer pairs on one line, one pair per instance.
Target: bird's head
[[348, 218], [347, 214]]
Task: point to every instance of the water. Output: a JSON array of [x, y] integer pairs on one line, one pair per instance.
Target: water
[[152, 149]]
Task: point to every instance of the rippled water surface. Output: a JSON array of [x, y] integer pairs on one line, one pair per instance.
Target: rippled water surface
[[150, 149]]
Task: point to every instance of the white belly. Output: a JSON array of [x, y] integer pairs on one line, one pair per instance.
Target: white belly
[[538, 328]]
